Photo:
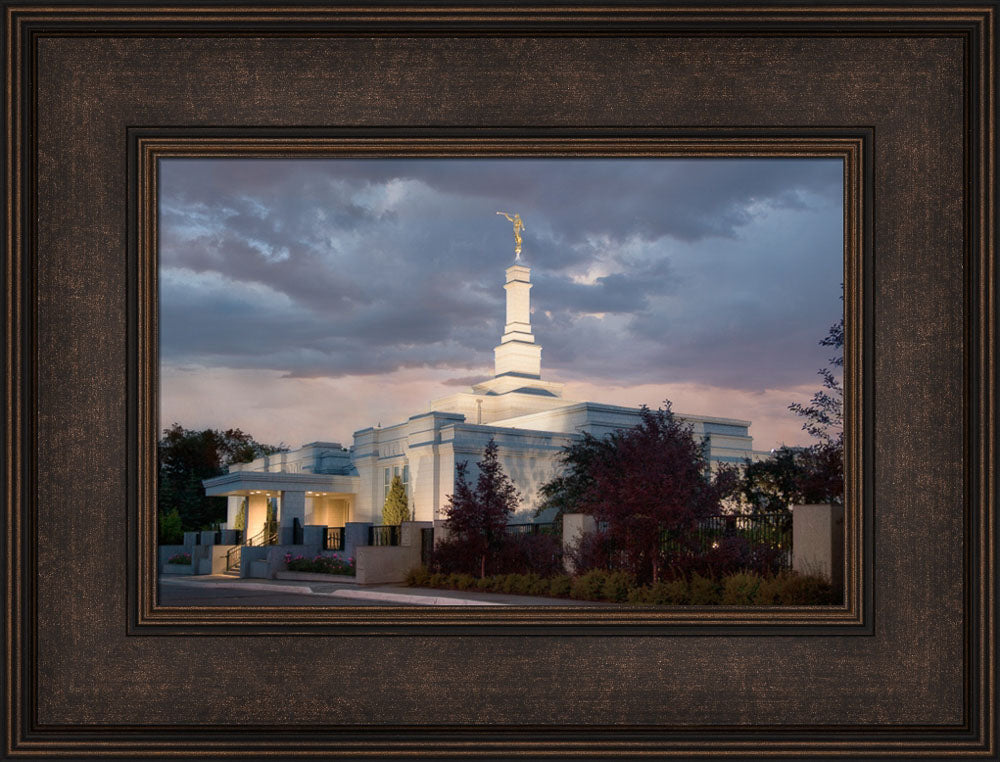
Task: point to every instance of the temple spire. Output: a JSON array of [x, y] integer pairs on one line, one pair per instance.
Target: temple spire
[[518, 354]]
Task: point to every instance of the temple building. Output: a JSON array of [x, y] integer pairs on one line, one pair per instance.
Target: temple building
[[327, 484]]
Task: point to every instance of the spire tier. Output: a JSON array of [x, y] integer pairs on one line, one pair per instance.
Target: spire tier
[[518, 354]]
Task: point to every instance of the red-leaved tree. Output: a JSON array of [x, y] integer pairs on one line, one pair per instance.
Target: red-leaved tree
[[651, 487], [477, 519]]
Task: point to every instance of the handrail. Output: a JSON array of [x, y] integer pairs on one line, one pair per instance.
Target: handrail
[[266, 536], [237, 550]]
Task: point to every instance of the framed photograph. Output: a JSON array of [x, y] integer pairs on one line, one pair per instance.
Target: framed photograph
[[213, 209], [299, 516]]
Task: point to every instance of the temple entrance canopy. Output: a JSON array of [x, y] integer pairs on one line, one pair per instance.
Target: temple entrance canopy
[[313, 499]]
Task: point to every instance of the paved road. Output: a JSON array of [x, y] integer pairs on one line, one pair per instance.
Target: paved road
[[177, 595]]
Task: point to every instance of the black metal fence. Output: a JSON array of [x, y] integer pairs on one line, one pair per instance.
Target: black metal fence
[[537, 528], [333, 538], [383, 535], [426, 545], [766, 537], [771, 531]]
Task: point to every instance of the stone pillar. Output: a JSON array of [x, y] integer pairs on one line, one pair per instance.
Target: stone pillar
[[410, 532], [355, 535], [232, 510], [256, 515], [818, 542], [314, 534], [440, 531], [575, 526], [293, 506]]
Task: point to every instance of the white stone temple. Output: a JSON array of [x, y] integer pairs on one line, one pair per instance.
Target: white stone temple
[[323, 483]]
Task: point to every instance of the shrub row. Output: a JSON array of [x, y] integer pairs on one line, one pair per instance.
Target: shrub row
[[320, 564], [512, 584], [516, 554], [728, 555], [740, 589]]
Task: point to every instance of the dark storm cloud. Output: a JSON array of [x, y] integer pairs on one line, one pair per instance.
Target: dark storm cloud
[[644, 271]]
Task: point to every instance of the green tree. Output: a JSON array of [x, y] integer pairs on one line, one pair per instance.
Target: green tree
[[396, 509], [824, 415], [565, 491], [171, 531], [241, 515], [186, 457], [822, 478], [773, 484]]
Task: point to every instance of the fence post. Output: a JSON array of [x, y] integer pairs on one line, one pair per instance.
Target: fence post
[[818, 542], [575, 526]]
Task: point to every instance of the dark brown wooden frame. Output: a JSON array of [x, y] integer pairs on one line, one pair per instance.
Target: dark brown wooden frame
[[79, 382]]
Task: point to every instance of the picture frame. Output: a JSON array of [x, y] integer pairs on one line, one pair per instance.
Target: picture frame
[[95, 94], [148, 147]]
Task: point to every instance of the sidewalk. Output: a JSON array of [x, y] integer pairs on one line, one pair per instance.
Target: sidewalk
[[408, 596]]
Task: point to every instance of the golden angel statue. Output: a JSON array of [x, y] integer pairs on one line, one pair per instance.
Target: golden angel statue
[[518, 227]]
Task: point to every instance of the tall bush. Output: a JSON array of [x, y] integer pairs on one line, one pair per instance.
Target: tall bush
[[478, 518], [397, 508], [646, 482]]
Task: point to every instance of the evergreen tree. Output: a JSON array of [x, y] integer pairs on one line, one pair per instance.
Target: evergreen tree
[[396, 509]]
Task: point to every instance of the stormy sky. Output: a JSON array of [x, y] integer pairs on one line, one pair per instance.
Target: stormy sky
[[303, 300]]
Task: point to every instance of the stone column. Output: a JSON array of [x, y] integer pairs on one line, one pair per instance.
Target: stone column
[[575, 526], [256, 515], [293, 506], [312, 503], [818, 542], [232, 510]]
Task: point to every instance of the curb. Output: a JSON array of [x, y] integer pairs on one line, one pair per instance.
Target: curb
[[371, 595], [414, 600], [241, 586]]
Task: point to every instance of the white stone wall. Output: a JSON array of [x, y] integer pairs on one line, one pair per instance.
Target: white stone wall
[[529, 458], [312, 458], [491, 408]]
